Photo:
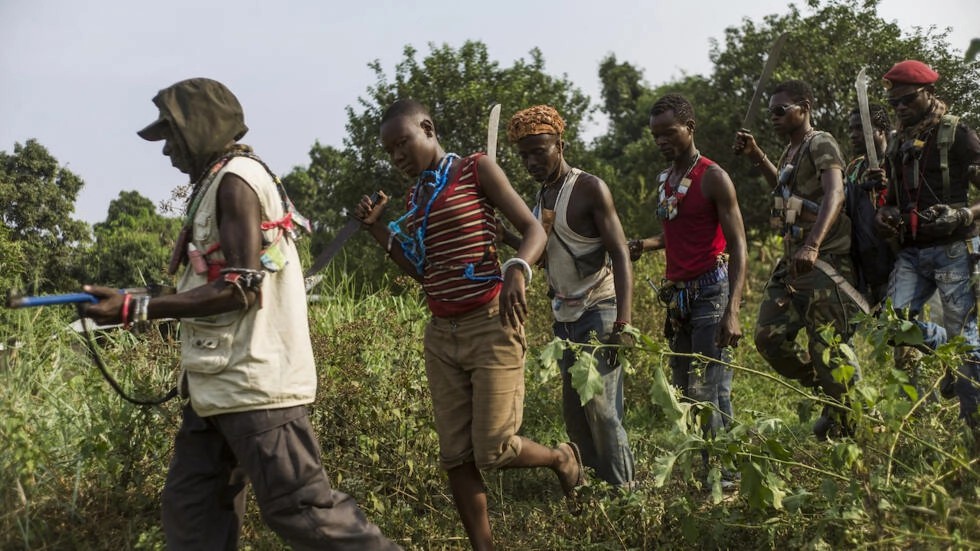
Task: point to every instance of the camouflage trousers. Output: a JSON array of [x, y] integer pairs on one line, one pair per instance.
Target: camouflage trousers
[[807, 302]]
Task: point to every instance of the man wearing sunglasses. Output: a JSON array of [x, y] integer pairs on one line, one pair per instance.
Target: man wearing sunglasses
[[806, 288], [934, 159]]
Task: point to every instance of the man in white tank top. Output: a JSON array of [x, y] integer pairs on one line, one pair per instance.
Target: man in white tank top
[[590, 280]]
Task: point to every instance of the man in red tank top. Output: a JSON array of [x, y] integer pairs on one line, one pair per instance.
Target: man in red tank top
[[702, 291], [474, 342]]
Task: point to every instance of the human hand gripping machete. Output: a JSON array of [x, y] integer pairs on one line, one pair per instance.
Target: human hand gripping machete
[[311, 276], [760, 86]]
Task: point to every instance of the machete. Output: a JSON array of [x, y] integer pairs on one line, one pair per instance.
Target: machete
[[492, 132], [760, 86], [345, 233], [861, 86]]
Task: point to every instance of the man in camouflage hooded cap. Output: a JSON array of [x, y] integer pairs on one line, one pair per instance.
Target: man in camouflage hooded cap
[[246, 359]]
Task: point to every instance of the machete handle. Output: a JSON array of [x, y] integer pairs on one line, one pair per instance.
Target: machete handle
[[738, 147], [15, 300], [374, 198]]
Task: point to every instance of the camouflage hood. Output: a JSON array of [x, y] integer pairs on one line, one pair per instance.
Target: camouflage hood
[[203, 112]]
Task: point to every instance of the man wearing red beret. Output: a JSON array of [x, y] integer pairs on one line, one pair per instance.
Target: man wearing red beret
[[934, 159]]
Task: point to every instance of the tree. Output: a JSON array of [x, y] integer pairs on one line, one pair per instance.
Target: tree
[[827, 49], [37, 198], [458, 86], [133, 245]]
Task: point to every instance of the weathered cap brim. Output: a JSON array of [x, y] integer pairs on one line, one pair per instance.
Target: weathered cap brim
[[154, 131]]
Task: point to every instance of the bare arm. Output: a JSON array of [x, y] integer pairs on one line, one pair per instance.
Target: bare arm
[[606, 221], [745, 144], [637, 246], [718, 188], [370, 215], [831, 180], [241, 240], [513, 303]]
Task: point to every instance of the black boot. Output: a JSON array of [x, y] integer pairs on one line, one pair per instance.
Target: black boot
[[947, 386], [832, 423]]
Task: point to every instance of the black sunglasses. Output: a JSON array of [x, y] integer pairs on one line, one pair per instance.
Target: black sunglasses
[[781, 110], [906, 99]]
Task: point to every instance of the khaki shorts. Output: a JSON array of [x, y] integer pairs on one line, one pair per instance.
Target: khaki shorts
[[475, 369]]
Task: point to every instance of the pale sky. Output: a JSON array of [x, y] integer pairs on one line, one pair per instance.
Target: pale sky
[[78, 75]]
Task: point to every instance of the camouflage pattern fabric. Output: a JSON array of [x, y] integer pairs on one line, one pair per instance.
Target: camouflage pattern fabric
[[807, 302]]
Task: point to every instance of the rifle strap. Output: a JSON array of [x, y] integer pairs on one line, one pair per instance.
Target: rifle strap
[[944, 139]]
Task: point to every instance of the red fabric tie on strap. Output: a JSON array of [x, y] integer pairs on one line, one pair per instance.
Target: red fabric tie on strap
[[286, 223]]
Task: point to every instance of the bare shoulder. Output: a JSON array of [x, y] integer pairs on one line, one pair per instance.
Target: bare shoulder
[[590, 185], [716, 182]]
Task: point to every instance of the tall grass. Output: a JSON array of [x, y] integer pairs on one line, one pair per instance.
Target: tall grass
[[81, 469]]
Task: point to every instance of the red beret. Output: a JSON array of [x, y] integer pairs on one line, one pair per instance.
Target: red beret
[[910, 71]]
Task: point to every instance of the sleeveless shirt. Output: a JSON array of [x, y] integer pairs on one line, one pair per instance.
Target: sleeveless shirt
[[693, 239], [574, 292], [461, 233]]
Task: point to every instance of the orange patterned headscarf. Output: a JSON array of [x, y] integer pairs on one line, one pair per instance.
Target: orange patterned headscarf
[[540, 119]]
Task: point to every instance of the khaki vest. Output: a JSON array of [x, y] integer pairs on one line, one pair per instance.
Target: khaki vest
[[255, 359]]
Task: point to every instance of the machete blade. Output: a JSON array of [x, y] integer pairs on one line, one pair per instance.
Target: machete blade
[[861, 86], [345, 233], [494, 123], [760, 86]]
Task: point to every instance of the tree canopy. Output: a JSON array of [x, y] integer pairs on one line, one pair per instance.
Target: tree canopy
[[132, 246], [828, 45], [458, 86], [37, 199]]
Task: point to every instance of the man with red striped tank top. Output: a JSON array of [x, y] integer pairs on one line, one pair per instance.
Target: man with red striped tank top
[[474, 343]]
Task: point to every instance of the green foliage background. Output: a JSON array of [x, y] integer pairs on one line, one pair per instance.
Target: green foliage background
[[80, 469]]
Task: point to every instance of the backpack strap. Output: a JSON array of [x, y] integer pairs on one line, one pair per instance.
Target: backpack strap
[[944, 139]]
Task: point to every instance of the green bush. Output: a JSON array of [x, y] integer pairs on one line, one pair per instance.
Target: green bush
[[81, 469]]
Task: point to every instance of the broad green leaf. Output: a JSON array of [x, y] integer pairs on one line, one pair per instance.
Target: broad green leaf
[[664, 395], [663, 466], [586, 379]]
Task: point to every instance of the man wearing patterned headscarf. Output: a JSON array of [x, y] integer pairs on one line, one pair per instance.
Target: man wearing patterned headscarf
[[590, 281], [933, 161]]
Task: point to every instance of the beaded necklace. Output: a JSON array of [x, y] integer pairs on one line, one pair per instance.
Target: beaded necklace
[[671, 201], [413, 246]]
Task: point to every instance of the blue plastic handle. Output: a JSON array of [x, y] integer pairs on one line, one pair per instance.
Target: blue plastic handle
[[48, 300]]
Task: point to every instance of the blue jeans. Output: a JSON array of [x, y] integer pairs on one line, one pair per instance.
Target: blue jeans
[[597, 427], [946, 268], [711, 383]]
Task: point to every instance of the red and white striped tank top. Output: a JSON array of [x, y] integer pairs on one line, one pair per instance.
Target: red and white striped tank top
[[461, 269]]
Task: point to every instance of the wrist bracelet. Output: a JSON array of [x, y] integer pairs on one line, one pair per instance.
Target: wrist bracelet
[[517, 261], [811, 248], [391, 239], [124, 311], [140, 313], [764, 159]]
